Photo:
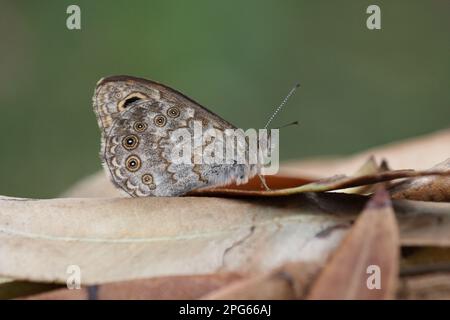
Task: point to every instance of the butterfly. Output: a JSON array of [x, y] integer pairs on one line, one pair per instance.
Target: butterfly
[[138, 119]]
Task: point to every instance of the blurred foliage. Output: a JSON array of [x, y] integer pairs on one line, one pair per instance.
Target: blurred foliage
[[239, 58]]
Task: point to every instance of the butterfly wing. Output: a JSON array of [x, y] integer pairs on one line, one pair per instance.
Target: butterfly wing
[[140, 122]]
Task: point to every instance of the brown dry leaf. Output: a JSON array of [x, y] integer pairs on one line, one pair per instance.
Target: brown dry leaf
[[290, 281], [369, 167], [372, 241], [422, 256], [162, 288], [329, 184], [418, 227], [276, 182], [425, 287], [425, 273], [424, 260], [122, 239], [130, 238], [431, 188]]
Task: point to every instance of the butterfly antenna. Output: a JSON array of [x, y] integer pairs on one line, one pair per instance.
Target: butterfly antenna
[[285, 100], [293, 123]]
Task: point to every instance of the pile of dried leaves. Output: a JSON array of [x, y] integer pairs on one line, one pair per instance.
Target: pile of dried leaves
[[312, 237]]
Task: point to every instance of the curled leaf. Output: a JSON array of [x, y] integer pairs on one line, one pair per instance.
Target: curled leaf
[[329, 184], [429, 188]]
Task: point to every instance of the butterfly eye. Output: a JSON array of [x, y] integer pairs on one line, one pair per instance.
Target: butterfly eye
[[173, 112], [140, 126], [130, 142], [160, 120], [148, 180], [133, 163]]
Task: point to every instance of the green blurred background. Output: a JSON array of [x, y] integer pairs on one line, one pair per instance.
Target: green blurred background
[[360, 88]]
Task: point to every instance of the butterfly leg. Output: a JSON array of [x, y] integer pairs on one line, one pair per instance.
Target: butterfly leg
[[263, 182]]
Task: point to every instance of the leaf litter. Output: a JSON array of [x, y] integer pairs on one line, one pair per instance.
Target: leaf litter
[[240, 242]]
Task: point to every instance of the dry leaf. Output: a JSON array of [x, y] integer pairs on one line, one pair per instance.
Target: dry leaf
[[418, 227], [123, 239], [131, 238], [369, 167], [424, 260], [291, 281], [167, 288], [370, 249], [328, 184], [428, 286], [431, 188], [422, 256]]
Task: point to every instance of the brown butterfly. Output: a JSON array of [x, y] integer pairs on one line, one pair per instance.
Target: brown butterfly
[[138, 119]]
